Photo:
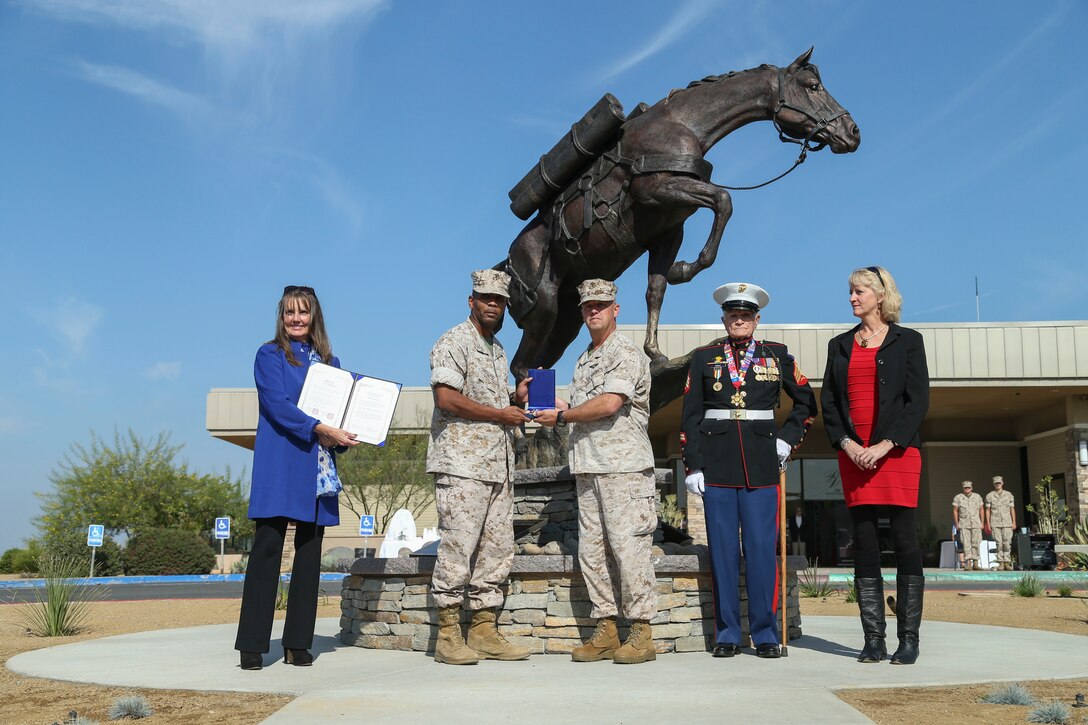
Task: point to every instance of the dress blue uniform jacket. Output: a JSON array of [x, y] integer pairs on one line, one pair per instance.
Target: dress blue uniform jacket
[[734, 452], [285, 452]]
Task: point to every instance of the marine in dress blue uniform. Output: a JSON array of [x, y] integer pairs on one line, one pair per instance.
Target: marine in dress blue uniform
[[733, 451]]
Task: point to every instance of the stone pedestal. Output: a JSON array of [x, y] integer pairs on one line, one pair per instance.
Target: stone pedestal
[[386, 605]]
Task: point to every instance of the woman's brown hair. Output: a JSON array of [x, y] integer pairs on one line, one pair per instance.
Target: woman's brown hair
[[303, 298]]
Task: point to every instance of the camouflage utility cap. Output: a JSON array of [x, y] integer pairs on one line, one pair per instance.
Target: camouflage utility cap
[[491, 282], [967, 484], [596, 290], [998, 479]]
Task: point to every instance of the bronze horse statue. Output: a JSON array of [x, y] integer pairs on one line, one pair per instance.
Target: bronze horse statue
[[637, 194]]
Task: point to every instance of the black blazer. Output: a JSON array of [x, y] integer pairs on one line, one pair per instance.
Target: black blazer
[[904, 388]]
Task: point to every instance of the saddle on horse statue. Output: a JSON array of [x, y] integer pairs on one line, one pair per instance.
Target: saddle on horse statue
[[575, 167]]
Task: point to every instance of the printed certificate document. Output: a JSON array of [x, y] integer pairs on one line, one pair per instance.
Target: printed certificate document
[[356, 403]]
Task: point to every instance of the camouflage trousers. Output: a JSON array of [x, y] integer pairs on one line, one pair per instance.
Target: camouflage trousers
[[476, 524], [972, 539], [1003, 537], [616, 522]]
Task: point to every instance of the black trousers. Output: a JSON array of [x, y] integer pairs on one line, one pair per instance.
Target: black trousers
[[262, 584]]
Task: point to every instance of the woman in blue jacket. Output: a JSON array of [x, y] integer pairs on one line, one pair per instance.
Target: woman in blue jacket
[[294, 479]]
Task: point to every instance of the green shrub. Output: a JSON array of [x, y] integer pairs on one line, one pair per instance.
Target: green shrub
[[1028, 586], [162, 552], [1014, 694], [1052, 712], [851, 591], [61, 607], [134, 707], [811, 583], [1065, 591], [14, 561], [239, 567], [72, 544]]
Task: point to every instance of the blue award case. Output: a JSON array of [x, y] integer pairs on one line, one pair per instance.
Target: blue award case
[[542, 390]]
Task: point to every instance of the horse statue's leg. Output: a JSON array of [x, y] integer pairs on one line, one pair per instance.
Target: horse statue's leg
[[687, 191], [568, 323], [662, 254], [537, 325]]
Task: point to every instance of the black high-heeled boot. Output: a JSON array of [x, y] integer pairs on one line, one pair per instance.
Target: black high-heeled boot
[[908, 617], [870, 593], [298, 657], [251, 660]]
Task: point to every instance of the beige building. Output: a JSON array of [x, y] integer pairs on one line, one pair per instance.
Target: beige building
[[1006, 398]]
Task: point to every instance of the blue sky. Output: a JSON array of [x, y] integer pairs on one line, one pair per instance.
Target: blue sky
[[169, 165]]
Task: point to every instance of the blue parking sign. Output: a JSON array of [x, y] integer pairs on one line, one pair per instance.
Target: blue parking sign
[[222, 527], [366, 526], [95, 534]]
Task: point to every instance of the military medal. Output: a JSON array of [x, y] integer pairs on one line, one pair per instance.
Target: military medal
[[737, 376], [717, 386]]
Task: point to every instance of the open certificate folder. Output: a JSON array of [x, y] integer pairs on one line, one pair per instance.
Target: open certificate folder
[[356, 403]]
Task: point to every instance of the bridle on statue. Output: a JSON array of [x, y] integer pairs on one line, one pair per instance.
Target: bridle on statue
[[819, 123]]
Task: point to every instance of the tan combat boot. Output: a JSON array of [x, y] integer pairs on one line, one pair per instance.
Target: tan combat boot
[[639, 646], [485, 639], [450, 647], [602, 645]]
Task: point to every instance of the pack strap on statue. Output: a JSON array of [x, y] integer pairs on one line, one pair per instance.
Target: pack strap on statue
[[608, 211], [677, 163]]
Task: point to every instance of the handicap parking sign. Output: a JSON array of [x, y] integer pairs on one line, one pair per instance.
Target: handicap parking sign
[[222, 527], [95, 534], [366, 526]]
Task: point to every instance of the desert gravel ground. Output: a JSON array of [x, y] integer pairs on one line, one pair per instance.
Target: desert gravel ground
[[30, 700]]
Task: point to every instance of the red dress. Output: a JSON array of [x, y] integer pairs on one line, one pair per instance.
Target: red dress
[[895, 479]]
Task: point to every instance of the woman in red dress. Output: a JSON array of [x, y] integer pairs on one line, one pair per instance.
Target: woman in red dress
[[875, 396]]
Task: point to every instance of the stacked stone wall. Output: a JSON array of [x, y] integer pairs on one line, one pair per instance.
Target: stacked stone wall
[[386, 605]]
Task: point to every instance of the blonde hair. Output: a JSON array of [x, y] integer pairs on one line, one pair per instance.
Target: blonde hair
[[880, 280], [306, 300]]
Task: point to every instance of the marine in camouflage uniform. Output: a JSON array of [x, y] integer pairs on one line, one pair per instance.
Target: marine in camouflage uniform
[[967, 515], [1001, 520], [733, 452], [471, 455], [612, 461]]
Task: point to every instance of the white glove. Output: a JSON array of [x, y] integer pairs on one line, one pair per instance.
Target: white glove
[[695, 483], [784, 450]]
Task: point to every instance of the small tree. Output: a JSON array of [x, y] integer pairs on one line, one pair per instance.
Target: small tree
[[1050, 514], [135, 484], [378, 480]]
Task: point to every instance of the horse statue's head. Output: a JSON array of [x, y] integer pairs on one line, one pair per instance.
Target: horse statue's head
[[807, 112]]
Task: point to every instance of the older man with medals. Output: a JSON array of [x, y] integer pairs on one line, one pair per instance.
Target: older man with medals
[[733, 452]]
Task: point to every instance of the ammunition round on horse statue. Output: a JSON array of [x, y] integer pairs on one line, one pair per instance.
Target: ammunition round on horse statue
[[615, 187]]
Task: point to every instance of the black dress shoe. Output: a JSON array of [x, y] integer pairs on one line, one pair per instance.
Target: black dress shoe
[[298, 657], [725, 650], [768, 651], [251, 660]]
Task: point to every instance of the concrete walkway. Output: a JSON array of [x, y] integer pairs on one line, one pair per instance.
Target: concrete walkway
[[349, 684]]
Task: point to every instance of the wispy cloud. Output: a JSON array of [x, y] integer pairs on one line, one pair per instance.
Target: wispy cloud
[[252, 49], [72, 320], [1026, 136], [328, 184], [142, 87], [998, 64], [686, 17], [163, 371], [231, 27]]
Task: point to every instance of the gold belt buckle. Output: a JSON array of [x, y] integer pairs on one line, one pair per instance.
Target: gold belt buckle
[[736, 414]]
